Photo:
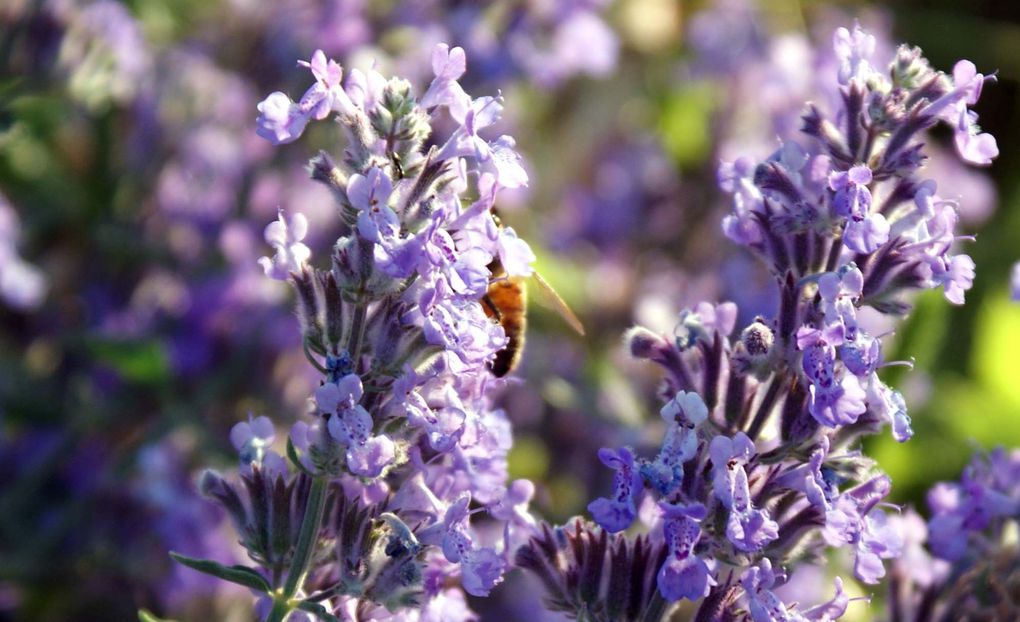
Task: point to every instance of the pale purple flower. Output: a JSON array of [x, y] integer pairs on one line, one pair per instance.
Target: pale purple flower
[[285, 234], [252, 438], [22, 285], [955, 274], [763, 604], [481, 568], [747, 527], [512, 507], [282, 120], [515, 255], [972, 145], [853, 50], [351, 425], [448, 65]]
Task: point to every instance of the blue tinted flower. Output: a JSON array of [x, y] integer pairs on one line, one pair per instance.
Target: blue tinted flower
[[616, 513], [683, 414], [683, 574]]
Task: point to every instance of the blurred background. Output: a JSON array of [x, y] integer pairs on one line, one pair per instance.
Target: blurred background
[[136, 327]]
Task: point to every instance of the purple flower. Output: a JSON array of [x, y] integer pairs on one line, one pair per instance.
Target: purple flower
[[616, 513], [448, 65], [253, 440], [737, 178], [351, 425], [683, 574], [890, 407], [853, 50], [285, 235], [282, 121], [481, 568], [683, 414], [765, 606], [987, 491], [955, 274], [514, 253], [22, 285], [864, 231], [972, 145], [854, 520], [747, 527]]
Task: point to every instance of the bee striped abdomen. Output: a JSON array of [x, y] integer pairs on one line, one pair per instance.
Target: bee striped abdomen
[[506, 301]]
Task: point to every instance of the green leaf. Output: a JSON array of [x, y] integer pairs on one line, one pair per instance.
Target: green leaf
[[318, 610], [241, 575], [293, 455], [145, 616]]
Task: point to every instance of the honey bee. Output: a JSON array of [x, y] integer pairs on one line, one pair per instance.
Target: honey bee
[[506, 301]]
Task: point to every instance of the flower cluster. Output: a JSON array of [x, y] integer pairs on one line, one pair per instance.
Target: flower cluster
[[963, 563], [757, 467], [402, 434]]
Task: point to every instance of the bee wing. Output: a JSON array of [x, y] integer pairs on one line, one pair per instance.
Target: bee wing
[[552, 299]]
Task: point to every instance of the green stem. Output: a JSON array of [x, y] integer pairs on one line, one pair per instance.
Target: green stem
[[310, 525]]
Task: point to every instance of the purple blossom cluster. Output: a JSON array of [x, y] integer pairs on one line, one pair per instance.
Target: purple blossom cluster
[[962, 564], [401, 430], [758, 467]]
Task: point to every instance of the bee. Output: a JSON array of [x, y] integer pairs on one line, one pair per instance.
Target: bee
[[506, 301]]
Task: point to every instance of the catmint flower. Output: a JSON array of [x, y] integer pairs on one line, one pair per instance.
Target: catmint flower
[[285, 234], [351, 425], [955, 274], [972, 145], [616, 513], [253, 438], [448, 65], [865, 231], [854, 48], [481, 568], [765, 606], [737, 178], [283, 121], [683, 574], [748, 528], [986, 492], [683, 414], [854, 520], [515, 255]]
